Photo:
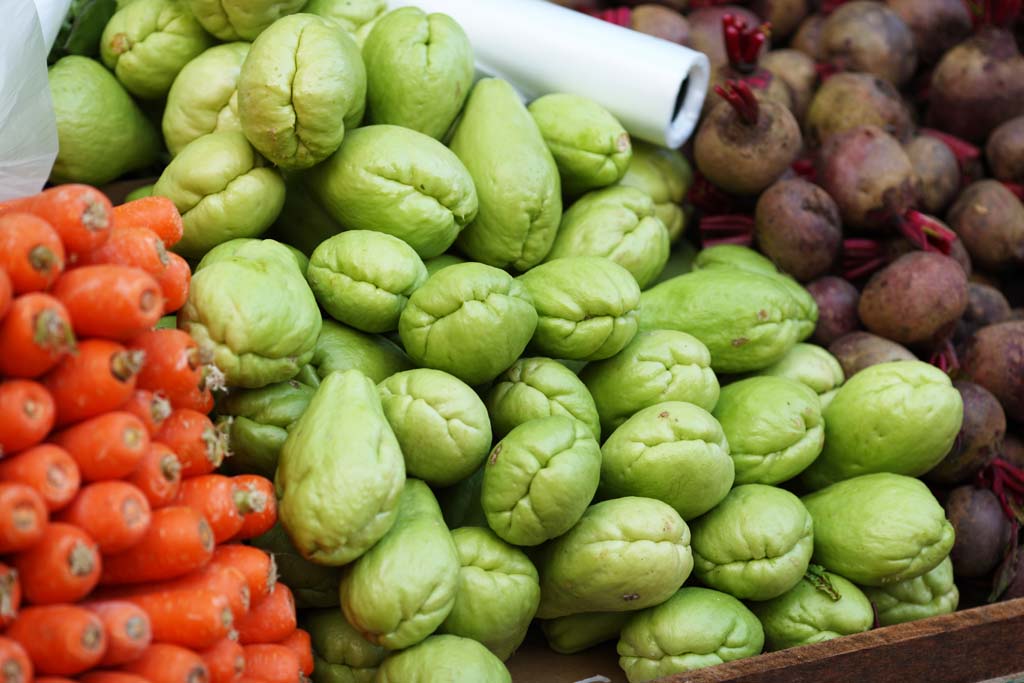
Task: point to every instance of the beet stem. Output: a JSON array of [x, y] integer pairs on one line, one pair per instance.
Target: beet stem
[[742, 44], [945, 358], [620, 16], [926, 233], [965, 152], [710, 199], [727, 229], [861, 257]]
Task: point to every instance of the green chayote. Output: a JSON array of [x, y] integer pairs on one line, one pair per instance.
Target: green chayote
[[734, 256], [260, 420], [312, 585], [303, 223], [241, 19], [810, 365], [666, 176], [351, 15], [928, 595], [444, 659], [340, 348], [250, 247], [443, 261], [342, 655], [577, 632]]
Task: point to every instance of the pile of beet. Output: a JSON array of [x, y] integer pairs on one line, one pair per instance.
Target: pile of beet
[[874, 150]]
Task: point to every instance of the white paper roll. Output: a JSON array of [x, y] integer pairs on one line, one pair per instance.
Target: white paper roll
[[654, 87]]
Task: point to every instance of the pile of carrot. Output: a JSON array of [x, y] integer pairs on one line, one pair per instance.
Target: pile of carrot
[[121, 554]]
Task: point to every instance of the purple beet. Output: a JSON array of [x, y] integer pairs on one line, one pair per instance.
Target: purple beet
[[980, 439], [837, 309], [808, 36], [706, 30], [937, 25], [994, 358], [798, 228], [1013, 450], [986, 305], [784, 15], [848, 100], [868, 36], [858, 350], [796, 70], [1005, 151], [936, 170], [982, 531], [989, 219]]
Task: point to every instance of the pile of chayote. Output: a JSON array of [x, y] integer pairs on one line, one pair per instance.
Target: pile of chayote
[[489, 392]]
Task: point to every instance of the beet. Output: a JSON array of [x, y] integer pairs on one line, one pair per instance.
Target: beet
[[982, 531], [937, 25], [706, 30], [980, 439], [936, 171], [990, 221], [849, 100], [798, 72], [661, 22], [868, 36], [986, 305], [1005, 151], [784, 15], [858, 350], [1013, 450], [743, 47], [808, 36], [994, 358], [837, 308], [798, 227]]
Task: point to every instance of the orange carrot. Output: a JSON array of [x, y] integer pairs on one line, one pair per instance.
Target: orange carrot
[[247, 678], [159, 214], [34, 335], [223, 580], [137, 247], [256, 565], [80, 214], [127, 629], [199, 399], [60, 639], [195, 619], [174, 364], [273, 663], [15, 666], [10, 595], [109, 446], [262, 503], [62, 567], [110, 677], [110, 301], [114, 513], [30, 252], [199, 445], [174, 283], [22, 517], [28, 415], [225, 660], [47, 468], [300, 643], [6, 293], [149, 407], [158, 475], [53, 679], [220, 500], [97, 379], [163, 663], [270, 620], [179, 540]]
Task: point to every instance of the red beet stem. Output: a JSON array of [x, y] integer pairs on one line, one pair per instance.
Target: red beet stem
[[861, 257], [825, 70], [1016, 188], [926, 233], [993, 12], [804, 167], [830, 6], [727, 229], [620, 16], [964, 151], [742, 99], [711, 200], [945, 358], [742, 44], [1007, 482], [703, 4]]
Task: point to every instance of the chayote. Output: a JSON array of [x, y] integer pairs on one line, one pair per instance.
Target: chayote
[[302, 85], [623, 555], [928, 595], [755, 545], [303, 222], [497, 595], [586, 307], [254, 313], [350, 14], [419, 70], [470, 320], [578, 632], [695, 628], [460, 504], [249, 247], [539, 387], [340, 348], [395, 180], [666, 176], [672, 451], [515, 176], [900, 417], [440, 422], [774, 428], [444, 659], [657, 366], [339, 478], [810, 365], [591, 148], [400, 590], [540, 478], [821, 606], [312, 585], [241, 19], [878, 529], [222, 190], [342, 655], [443, 261], [259, 424], [734, 256], [617, 223]]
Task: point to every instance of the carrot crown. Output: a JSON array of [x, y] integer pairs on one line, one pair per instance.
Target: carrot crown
[[743, 44], [739, 95]]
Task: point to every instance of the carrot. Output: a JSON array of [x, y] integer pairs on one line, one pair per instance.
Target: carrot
[[34, 335], [62, 567], [222, 580], [60, 639], [96, 380], [262, 503], [158, 475], [159, 214], [30, 252], [115, 513], [174, 282], [80, 214], [53, 679], [109, 446], [174, 364], [10, 595], [246, 678], [110, 301], [199, 399], [300, 643], [22, 517], [28, 415], [220, 500], [6, 293], [273, 663], [195, 619], [149, 407], [225, 660], [199, 445], [163, 663], [270, 620], [15, 666], [127, 629], [47, 468], [110, 677], [257, 566], [138, 247], [179, 540]]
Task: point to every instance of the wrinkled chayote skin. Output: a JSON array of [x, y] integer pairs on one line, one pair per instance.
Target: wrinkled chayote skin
[[695, 628], [540, 478], [312, 585], [515, 176], [673, 451], [364, 278], [419, 70], [254, 313], [577, 632], [591, 148], [755, 545], [441, 424], [899, 417], [250, 247], [657, 366], [878, 529], [223, 191], [444, 659], [539, 387], [342, 655], [400, 590], [928, 595], [822, 606], [623, 555], [351, 15], [339, 478], [586, 307], [302, 85], [148, 42], [666, 176], [204, 96], [395, 180], [811, 365], [617, 223], [734, 256], [774, 428], [340, 348], [498, 592], [260, 420], [241, 19], [470, 320]]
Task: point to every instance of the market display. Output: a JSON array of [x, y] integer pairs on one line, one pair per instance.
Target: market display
[[380, 369]]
